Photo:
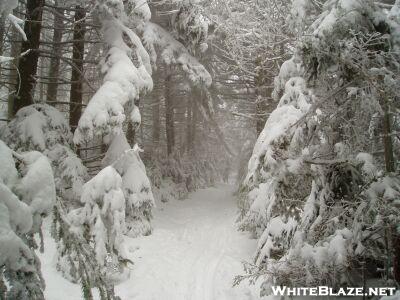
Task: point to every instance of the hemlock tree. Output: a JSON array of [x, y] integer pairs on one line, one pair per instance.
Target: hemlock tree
[[320, 197], [123, 82], [127, 76]]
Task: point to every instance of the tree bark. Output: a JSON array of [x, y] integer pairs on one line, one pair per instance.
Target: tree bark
[[55, 60], [75, 107], [209, 117], [156, 120], [130, 134], [2, 32], [260, 112], [169, 115], [195, 117], [189, 121], [263, 91], [387, 138], [390, 167], [13, 74], [27, 65], [396, 256]]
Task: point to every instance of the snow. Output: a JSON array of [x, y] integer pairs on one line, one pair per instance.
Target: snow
[[173, 52], [104, 110], [17, 22], [15, 213], [123, 81], [103, 216], [368, 166], [4, 59], [116, 149], [394, 297], [290, 68], [6, 8], [137, 191], [341, 13], [37, 187], [277, 228], [23, 203], [69, 172], [13, 252], [298, 12], [310, 207], [8, 173], [135, 184], [142, 9], [277, 125], [327, 24], [38, 126], [394, 22], [136, 118], [193, 253], [32, 129]]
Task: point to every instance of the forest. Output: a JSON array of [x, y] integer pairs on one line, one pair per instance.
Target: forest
[[199, 149]]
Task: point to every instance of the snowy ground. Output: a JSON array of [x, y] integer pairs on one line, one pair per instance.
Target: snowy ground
[[193, 254]]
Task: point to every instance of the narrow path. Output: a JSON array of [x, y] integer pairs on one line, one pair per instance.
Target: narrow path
[[193, 253]]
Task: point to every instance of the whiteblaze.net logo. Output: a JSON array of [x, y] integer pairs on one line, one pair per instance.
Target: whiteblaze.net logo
[[328, 291]]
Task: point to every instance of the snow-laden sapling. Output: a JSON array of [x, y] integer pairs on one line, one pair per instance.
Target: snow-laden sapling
[[135, 184], [101, 222], [43, 128]]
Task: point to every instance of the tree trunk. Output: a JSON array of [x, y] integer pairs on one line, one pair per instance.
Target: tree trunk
[[130, 134], [209, 117], [156, 120], [390, 167], [193, 126], [396, 256], [55, 60], [2, 32], [260, 112], [189, 121], [27, 65], [169, 115], [2, 36], [75, 107], [41, 72], [387, 139], [131, 130], [263, 92], [13, 74]]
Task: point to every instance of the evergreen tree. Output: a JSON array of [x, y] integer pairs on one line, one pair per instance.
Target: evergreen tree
[[319, 197]]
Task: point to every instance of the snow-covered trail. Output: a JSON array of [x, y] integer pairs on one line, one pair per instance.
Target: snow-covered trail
[[193, 254]]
